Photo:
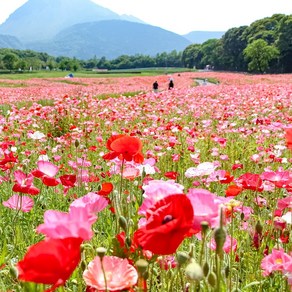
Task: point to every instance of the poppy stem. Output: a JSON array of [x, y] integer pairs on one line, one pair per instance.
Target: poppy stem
[[103, 272], [231, 251], [121, 185]]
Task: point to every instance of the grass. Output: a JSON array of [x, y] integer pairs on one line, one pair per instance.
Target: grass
[[94, 74], [116, 95], [12, 85]]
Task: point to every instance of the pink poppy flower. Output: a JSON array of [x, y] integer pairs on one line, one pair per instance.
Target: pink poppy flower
[[205, 206], [156, 190], [167, 262], [76, 223], [288, 271], [80, 163], [205, 168], [24, 183], [279, 178], [92, 202], [131, 173], [285, 203], [275, 261], [120, 275], [46, 171], [22, 203]]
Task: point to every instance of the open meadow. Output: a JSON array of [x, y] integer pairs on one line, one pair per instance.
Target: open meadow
[[106, 185]]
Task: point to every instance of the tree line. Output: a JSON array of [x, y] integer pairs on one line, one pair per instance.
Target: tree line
[[23, 60], [264, 46]]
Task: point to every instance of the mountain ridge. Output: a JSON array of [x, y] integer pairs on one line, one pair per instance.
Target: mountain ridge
[[87, 29]]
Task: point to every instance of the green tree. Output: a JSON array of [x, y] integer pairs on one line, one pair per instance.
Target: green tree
[[208, 51], [21, 64], [265, 29], [260, 54], [284, 44], [10, 61], [234, 42], [192, 56]]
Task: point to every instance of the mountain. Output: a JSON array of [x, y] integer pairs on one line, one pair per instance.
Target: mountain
[[83, 29], [11, 42], [111, 38], [42, 19], [199, 37]]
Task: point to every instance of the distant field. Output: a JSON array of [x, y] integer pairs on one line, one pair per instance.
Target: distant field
[[93, 74]]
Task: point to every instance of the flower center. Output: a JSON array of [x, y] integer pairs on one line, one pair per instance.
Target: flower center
[[167, 219], [278, 261]]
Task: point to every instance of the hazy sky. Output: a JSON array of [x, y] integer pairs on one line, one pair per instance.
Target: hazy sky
[[183, 16]]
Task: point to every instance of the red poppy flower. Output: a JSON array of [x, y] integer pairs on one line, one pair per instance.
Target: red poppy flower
[[251, 181], [51, 261], [288, 136], [24, 184], [168, 223], [233, 190], [227, 178], [237, 166], [7, 160], [171, 174], [124, 147], [46, 172], [68, 180], [106, 189]]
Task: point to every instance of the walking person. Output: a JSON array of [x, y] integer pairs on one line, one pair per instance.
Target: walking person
[[170, 84], [155, 86]]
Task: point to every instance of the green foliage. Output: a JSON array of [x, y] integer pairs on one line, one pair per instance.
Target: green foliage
[[60, 127], [191, 56], [260, 54], [46, 102], [9, 61], [4, 109], [116, 95], [227, 53], [284, 43], [234, 43]]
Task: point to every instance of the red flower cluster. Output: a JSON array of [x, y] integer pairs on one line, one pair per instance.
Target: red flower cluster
[[124, 147], [168, 223], [288, 135], [51, 261], [251, 181]]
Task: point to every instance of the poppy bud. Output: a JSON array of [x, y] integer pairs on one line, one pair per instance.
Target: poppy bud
[[142, 266], [220, 237], [182, 257], [227, 271], [212, 279], [259, 227], [128, 242], [101, 251], [123, 223], [206, 269], [13, 272], [76, 143], [194, 272], [83, 265]]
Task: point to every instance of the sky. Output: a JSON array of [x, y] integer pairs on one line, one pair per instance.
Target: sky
[[184, 16]]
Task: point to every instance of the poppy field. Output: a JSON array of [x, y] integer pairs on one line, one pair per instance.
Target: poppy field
[[106, 185]]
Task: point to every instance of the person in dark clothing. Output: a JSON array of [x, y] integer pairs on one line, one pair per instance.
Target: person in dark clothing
[[170, 84], [155, 86]]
